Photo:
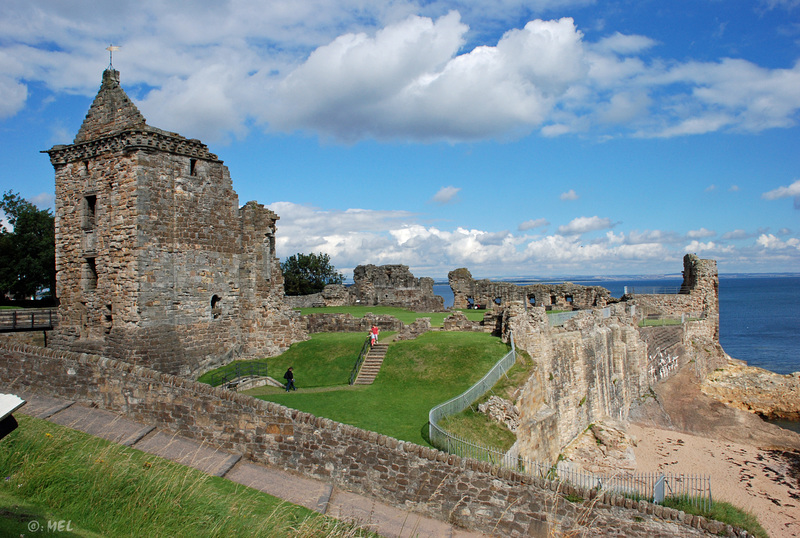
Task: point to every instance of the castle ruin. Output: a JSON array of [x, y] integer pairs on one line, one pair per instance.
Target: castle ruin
[[384, 285], [156, 262], [470, 293]]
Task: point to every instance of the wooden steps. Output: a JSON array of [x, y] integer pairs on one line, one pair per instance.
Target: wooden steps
[[372, 365]]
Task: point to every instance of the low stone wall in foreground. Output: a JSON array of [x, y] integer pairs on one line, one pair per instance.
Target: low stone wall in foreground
[[468, 493]]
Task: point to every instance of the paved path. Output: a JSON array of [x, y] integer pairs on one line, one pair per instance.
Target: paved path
[[316, 495]]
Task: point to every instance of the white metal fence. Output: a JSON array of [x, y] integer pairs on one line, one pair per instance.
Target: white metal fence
[[439, 437], [695, 490]]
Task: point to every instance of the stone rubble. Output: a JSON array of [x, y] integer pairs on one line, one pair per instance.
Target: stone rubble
[[502, 411]]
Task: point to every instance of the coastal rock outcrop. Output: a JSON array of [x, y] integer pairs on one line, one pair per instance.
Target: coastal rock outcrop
[[770, 395]]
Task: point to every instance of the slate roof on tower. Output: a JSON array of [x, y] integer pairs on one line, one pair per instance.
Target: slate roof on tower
[[111, 112]]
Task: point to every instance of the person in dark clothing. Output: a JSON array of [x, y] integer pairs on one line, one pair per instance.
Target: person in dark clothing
[[289, 377]]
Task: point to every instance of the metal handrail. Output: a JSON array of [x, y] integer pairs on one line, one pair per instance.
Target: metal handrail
[[693, 488], [654, 290], [360, 360], [466, 398], [229, 373]]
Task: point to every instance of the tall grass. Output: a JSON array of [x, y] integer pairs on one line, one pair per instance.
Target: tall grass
[[721, 511], [51, 473]]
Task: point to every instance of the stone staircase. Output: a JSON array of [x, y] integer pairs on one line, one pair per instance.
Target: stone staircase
[[372, 365]]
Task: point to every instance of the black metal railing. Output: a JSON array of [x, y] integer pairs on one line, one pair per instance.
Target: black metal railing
[[229, 374], [361, 356]]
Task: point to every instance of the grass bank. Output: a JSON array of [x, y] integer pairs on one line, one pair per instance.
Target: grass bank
[[53, 474], [325, 360], [416, 375], [724, 512]]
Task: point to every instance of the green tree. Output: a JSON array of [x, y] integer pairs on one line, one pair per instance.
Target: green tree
[[28, 250], [304, 274]]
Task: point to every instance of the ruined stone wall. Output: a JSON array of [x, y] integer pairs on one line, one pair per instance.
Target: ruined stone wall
[[393, 285], [588, 370], [458, 321], [698, 298], [385, 285], [594, 366], [346, 323], [468, 292], [331, 295], [155, 262], [468, 493]]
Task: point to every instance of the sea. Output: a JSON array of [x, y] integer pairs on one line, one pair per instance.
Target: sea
[[759, 315]]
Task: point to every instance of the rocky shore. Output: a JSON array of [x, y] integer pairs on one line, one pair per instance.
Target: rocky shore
[[765, 393]]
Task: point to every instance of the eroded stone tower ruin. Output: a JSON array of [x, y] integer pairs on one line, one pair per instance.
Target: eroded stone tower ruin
[[156, 262]]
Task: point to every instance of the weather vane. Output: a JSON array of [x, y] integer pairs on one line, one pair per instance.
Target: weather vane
[[111, 49]]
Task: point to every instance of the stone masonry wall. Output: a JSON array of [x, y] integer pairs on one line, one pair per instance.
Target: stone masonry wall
[[156, 264], [346, 323], [593, 366], [465, 492], [486, 293], [590, 369], [698, 297], [393, 285]]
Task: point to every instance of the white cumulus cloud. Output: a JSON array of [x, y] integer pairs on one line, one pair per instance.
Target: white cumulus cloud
[[446, 195], [532, 224], [582, 225], [700, 234], [569, 195], [783, 192]]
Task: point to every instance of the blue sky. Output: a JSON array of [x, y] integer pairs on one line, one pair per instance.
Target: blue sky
[[515, 138]]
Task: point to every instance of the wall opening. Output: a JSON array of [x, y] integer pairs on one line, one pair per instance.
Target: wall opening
[[471, 303], [216, 307], [498, 301], [90, 274], [89, 211], [192, 167], [553, 299], [568, 298], [108, 319], [532, 300]]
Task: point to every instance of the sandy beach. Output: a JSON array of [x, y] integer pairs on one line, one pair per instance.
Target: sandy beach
[[746, 476]]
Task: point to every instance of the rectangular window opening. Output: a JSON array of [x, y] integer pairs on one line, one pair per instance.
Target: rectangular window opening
[[90, 278], [89, 212]]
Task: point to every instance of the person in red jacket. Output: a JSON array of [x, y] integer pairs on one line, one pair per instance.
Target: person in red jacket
[[374, 335]]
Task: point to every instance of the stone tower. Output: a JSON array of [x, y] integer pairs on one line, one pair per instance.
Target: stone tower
[[156, 262]]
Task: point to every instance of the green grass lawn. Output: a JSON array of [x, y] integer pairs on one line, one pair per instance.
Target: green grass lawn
[[416, 375], [477, 427], [323, 361], [404, 315], [51, 473]]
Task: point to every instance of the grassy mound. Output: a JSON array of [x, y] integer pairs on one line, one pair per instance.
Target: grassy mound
[[416, 375]]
